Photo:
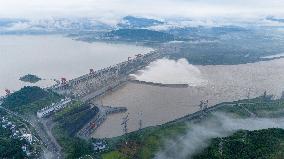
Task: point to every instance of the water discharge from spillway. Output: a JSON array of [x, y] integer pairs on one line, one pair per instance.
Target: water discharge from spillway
[[171, 72]]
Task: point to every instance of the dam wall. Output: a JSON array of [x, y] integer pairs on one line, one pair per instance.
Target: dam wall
[[98, 82], [100, 117], [159, 84], [200, 113]]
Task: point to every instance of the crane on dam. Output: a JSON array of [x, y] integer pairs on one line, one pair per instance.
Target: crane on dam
[[92, 71], [63, 81], [138, 55], [8, 92]]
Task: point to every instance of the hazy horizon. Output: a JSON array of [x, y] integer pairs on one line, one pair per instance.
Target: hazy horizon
[[111, 11]]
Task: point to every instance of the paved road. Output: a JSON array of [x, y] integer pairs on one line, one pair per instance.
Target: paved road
[[48, 140], [15, 114]]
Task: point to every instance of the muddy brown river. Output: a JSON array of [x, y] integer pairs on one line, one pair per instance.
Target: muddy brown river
[[218, 83]]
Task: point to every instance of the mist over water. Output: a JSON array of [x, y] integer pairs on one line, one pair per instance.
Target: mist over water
[[171, 72], [221, 125]]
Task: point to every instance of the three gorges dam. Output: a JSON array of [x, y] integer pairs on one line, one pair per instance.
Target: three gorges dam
[[89, 87], [98, 82]]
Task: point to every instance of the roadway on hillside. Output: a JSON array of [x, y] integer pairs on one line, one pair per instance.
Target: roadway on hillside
[[51, 148]]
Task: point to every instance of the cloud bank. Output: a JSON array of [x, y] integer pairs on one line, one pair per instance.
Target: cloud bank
[[114, 9]]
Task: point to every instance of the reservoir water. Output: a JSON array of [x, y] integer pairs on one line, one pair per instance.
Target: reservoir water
[[53, 57]]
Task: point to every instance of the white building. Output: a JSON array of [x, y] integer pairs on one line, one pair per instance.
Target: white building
[[28, 137], [99, 146], [53, 108]]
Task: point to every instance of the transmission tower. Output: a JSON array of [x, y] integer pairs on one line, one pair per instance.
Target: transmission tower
[[282, 96], [201, 105], [140, 120], [206, 104], [125, 124], [248, 95]]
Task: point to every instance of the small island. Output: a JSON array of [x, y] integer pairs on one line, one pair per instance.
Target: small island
[[30, 78]]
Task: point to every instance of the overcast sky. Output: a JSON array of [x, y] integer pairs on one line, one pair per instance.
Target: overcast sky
[[112, 9]]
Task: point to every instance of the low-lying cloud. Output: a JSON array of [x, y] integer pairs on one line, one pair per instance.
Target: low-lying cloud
[[221, 125], [158, 8], [171, 72]]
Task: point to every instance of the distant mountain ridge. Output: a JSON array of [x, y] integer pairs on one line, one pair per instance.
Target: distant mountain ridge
[[51, 25], [79, 25], [134, 29], [139, 35], [67, 25], [131, 22], [271, 18]]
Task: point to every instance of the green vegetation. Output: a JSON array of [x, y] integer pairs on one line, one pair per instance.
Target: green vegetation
[[112, 155], [29, 100], [74, 117], [139, 35], [231, 49], [261, 107], [144, 144], [24, 96], [35, 148], [218, 54], [30, 78], [138, 22], [9, 147], [228, 45], [73, 147], [73, 108], [68, 122], [267, 144]]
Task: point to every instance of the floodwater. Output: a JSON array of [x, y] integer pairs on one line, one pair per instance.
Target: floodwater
[[53, 57], [217, 84]]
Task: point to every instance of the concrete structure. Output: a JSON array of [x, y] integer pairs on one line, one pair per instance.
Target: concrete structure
[[98, 82], [53, 108], [99, 146], [100, 117]]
